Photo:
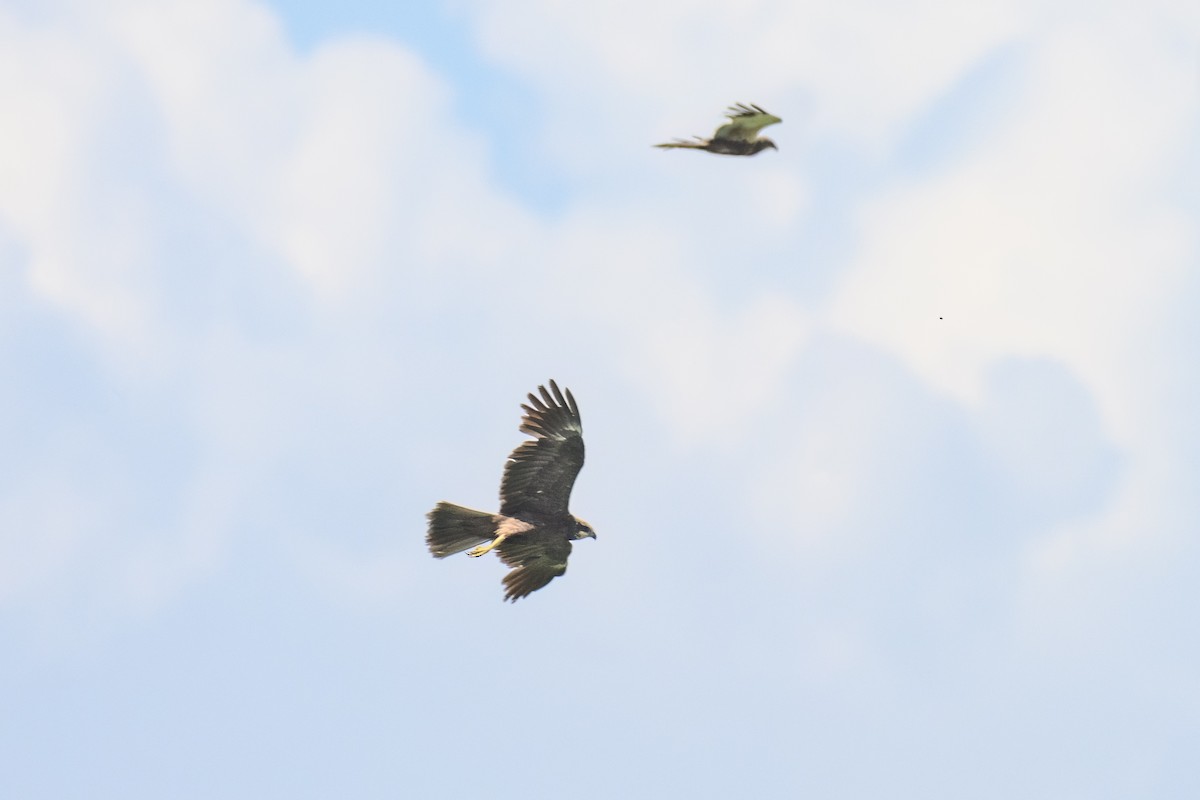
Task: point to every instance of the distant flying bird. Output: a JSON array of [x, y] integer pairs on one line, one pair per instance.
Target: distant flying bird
[[738, 137], [533, 531]]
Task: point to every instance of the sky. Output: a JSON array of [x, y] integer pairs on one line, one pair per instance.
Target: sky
[[892, 446]]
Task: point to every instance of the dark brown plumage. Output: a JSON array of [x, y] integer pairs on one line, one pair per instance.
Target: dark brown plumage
[[533, 531], [738, 137]]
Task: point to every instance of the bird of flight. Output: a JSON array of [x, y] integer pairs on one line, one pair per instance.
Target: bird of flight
[[533, 531], [738, 137]]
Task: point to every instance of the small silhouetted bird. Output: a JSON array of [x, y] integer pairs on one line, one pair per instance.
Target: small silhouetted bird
[[738, 137], [534, 530]]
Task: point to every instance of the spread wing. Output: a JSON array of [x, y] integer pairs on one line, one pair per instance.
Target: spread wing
[[745, 121], [537, 560], [540, 473]]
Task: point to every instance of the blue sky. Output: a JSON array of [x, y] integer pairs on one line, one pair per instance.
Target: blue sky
[[892, 444]]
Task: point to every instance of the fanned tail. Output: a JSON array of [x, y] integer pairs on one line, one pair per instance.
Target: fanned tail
[[453, 529]]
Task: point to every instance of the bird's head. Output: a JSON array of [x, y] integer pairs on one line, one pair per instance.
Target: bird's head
[[763, 144], [583, 530]]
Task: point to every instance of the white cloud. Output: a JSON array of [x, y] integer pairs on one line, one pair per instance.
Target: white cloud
[[58, 87], [1057, 238], [168, 169], [1053, 240], [709, 364], [341, 163]]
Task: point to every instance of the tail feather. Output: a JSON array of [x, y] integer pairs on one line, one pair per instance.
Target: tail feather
[[697, 144], [453, 529]]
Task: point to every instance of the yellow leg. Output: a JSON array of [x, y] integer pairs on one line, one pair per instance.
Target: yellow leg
[[486, 548]]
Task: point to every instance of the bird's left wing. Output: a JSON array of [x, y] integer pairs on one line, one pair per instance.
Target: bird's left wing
[[536, 562], [745, 121], [540, 473]]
